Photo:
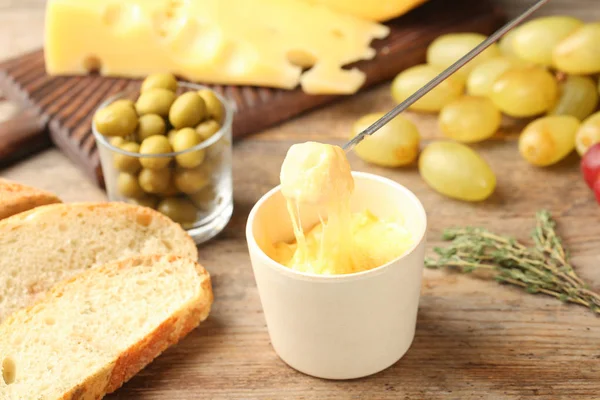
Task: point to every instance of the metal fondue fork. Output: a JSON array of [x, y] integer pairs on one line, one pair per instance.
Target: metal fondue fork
[[441, 77]]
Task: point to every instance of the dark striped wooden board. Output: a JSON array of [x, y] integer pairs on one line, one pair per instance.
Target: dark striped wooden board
[[61, 108]]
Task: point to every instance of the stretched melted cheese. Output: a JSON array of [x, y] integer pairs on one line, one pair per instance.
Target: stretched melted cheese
[[240, 42], [318, 175], [375, 10]]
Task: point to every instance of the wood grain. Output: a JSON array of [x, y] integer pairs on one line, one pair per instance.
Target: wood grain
[[474, 340]]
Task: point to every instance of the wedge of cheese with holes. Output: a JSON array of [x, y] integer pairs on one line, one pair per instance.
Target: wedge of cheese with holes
[[272, 43], [375, 10]]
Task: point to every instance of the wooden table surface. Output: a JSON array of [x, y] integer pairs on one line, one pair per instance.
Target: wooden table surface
[[474, 339]]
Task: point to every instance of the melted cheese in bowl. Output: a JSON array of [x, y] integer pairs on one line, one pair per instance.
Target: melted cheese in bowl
[[319, 175]]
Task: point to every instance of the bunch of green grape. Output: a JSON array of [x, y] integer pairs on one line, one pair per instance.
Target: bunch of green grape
[[545, 70]]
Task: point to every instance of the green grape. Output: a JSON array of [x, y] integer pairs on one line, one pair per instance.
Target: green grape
[[578, 97], [548, 140], [470, 119], [579, 53], [447, 49], [393, 145], [506, 44], [525, 91], [588, 133], [536, 39], [412, 79], [457, 171], [483, 76]]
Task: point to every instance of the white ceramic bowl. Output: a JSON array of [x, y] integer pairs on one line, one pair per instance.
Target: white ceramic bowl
[[340, 326]]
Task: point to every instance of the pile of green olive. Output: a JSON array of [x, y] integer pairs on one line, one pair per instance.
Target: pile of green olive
[[158, 122]]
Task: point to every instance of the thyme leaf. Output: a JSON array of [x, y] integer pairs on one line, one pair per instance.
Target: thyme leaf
[[544, 268]]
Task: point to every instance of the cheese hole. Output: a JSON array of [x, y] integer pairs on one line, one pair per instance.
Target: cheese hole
[[169, 19], [236, 59], [301, 58], [120, 17], [195, 42], [161, 22], [9, 370], [92, 64]]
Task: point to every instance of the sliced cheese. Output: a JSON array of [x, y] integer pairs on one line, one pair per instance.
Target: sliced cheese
[[239, 42], [376, 10]]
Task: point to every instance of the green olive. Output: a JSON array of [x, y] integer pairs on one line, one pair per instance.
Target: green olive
[[205, 198], [147, 201], [207, 128], [117, 141], [155, 145], [214, 108], [154, 180], [124, 102], [185, 139], [191, 180], [178, 209], [116, 120], [171, 135], [155, 101], [128, 185], [127, 163], [160, 80], [187, 110], [150, 125]]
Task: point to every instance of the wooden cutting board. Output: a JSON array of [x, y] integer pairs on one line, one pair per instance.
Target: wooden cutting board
[[60, 109]]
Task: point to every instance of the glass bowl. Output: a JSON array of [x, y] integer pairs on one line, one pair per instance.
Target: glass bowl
[[199, 198]]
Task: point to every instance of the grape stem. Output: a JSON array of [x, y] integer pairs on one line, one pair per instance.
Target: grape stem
[[543, 268]]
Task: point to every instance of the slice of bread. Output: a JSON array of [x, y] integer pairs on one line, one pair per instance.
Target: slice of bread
[[16, 198], [95, 331], [48, 244]]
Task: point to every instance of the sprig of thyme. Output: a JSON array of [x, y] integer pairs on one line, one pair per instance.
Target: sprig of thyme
[[543, 268]]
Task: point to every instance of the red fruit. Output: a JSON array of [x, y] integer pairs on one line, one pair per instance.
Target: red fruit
[[590, 166]]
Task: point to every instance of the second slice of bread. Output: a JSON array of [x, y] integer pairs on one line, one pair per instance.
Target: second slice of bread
[[16, 197], [48, 244], [93, 332]]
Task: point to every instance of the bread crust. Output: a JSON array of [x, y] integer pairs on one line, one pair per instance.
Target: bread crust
[[16, 198], [140, 354], [164, 336]]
